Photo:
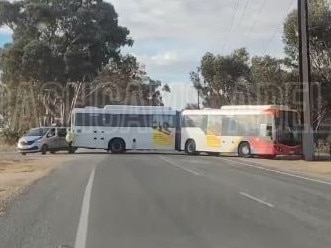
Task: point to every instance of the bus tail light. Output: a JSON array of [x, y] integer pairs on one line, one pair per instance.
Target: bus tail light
[[278, 149]]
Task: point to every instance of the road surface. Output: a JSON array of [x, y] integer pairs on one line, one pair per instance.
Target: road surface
[[163, 200]]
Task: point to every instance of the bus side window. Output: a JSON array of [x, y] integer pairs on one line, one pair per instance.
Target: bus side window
[[107, 120]]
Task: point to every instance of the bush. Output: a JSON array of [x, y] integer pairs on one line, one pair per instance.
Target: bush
[[10, 136]]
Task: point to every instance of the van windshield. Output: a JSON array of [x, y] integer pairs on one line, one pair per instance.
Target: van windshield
[[37, 132]]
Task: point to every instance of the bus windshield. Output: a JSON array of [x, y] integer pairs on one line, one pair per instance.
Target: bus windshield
[[288, 128]]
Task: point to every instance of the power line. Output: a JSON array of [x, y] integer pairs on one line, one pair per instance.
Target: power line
[[256, 18], [234, 16], [244, 11], [231, 24], [279, 26]]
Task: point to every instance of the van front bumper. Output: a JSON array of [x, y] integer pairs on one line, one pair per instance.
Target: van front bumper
[[28, 148]]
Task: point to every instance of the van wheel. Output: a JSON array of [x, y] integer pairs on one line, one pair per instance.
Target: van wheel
[[190, 147], [244, 150], [23, 153], [117, 146], [52, 152], [44, 149]]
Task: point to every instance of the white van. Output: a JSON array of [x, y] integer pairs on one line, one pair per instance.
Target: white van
[[44, 139]]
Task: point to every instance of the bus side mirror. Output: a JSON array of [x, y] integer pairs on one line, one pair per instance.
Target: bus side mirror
[[269, 131], [265, 130]]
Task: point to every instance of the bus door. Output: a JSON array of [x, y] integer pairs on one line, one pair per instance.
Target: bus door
[[164, 132], [178, 137], [214, 132], [230, 138]]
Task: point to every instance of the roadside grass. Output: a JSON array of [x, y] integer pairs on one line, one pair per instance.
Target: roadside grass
[[16, 175], [6, 148]]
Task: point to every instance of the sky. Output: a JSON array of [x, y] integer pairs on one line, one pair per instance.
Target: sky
[[171, 36]]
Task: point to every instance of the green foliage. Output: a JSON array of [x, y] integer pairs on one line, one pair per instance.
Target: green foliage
[[11, 136], [218, 76], [76, 38], [66, 42], [126, 82], [320, 53]]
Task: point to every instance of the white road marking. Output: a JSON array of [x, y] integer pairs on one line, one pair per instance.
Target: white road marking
[[278, 172], [197, 162], [83, 221], [257, 199], [181, 167]]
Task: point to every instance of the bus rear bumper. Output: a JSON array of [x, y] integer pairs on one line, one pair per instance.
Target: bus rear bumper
[[281, 149]]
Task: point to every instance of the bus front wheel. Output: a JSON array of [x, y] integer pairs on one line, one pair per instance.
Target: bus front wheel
[[244, 150], [117, 146], [190, 147]]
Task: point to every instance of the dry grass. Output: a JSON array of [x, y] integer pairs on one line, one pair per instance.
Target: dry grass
[[17, 175], [6, 148]]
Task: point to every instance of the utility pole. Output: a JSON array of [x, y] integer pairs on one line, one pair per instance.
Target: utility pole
[[305, 79], [198, 99]]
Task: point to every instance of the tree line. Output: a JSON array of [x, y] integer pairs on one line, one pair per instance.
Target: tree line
[[238, 78], [65, 54]]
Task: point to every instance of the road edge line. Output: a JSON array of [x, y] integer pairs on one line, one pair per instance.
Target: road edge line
[[278, 172], [81, 235]]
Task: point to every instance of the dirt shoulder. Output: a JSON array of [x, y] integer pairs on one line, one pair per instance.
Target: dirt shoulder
[[316, 168], [17, 173]]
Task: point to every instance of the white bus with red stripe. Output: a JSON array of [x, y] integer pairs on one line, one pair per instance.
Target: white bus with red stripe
[[247, 130]]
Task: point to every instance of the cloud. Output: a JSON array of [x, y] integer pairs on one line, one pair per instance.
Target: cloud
[[181, 94], [164, 59], [179, 32], [5, 31], [212, 19], [171, 36]]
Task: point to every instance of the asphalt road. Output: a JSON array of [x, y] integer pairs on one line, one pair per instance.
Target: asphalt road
[[159, 201]]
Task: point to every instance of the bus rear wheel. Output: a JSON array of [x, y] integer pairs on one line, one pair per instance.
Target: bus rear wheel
[[117, 146], [244, 150], [190, 147]]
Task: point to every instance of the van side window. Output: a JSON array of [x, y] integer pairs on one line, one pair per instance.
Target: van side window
[[62, 132], [52, 132]]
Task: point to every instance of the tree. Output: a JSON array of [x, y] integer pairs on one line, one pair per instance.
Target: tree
[[235, 79], [65, 42], [219, 78], [320, 54], [192, 106], [271, 83], [124, 82]]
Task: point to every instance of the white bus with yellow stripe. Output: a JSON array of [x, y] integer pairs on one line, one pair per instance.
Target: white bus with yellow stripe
[[121, 128]]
